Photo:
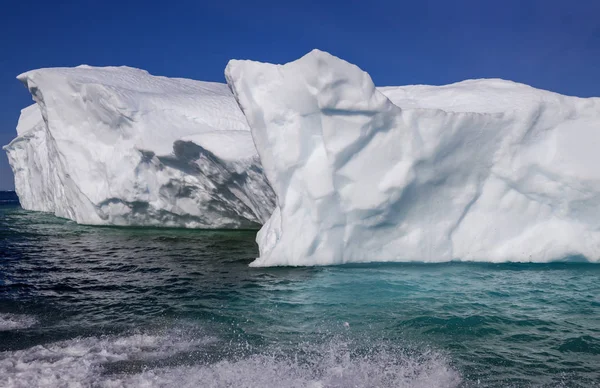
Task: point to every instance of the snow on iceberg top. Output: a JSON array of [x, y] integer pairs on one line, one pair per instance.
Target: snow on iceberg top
[[477, 95], [125, 103], [125, 77]]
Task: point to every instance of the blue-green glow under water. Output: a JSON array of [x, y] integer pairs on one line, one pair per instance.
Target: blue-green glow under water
[[156, 307]]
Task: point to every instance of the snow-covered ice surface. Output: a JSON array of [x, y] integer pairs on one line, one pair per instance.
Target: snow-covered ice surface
[[119, 146], [484, 170]]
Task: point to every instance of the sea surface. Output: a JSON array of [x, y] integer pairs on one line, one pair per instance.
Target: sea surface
[[126, 307]]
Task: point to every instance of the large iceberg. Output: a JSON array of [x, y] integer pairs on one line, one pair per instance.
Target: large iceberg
[[485, 170], [119, 146]]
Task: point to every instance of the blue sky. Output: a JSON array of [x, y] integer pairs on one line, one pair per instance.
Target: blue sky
[[550, 44]]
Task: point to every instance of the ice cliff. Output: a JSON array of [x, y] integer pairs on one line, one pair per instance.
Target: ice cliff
[[485, 170], [119, 146]]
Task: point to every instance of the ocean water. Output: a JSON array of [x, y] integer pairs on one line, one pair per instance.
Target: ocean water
[[118, 307]]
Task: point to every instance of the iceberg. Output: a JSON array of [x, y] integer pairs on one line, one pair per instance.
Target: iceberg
[[118, 146], [480, 170]]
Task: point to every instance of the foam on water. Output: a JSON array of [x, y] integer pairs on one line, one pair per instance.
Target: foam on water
[[16, 321], [91, 362]]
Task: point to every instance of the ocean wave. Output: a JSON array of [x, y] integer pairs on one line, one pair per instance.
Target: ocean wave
[[16, 321], [140, 359]]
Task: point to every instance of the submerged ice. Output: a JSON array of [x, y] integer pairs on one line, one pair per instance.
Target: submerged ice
[[485, 170], [120, 146]]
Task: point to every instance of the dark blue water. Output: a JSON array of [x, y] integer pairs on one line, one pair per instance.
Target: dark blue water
[[112, 307]]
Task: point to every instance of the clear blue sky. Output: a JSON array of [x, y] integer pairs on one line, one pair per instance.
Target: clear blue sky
[[550, 44]]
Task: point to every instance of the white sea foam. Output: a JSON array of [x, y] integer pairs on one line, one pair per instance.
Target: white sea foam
[[86, 363], [16, 321]]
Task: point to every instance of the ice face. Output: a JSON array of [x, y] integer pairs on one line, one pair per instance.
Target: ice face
[[485, 170], [119, 146], [28, 157]]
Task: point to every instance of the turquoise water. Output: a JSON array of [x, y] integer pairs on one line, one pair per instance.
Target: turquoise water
[[155, 307]]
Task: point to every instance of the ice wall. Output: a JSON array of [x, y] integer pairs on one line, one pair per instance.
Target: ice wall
[[485, 170], [119, 146]]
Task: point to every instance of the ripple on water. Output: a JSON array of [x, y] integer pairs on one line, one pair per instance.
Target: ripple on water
[[581, 344], [495, 324]]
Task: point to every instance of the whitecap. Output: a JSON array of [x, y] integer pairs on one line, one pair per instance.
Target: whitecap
[[16, 321], [85, 362]]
